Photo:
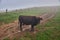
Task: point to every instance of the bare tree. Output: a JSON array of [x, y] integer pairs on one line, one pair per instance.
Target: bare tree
[[6, 10]]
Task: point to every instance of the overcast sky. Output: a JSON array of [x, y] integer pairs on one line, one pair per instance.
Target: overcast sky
[[26, 3]]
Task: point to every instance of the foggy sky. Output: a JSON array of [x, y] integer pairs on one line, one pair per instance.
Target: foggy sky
[[26, 3]]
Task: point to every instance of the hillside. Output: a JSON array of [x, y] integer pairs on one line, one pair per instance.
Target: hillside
[[50, 30]]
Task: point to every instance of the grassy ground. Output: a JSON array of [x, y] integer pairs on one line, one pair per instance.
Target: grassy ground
[[11, 16], [52, 31], [48, 31]]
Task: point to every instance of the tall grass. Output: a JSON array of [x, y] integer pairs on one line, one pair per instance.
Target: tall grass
[[48, 31], [11, 16], [52, 29]]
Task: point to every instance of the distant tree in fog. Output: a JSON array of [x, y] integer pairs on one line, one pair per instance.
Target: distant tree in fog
[[6, 10]]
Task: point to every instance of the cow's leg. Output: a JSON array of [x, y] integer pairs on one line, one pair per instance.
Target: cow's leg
[[21, 26], [32, 27]]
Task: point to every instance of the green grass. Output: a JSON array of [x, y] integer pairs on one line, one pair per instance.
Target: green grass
[[48, 31], [6, 38], [11, 16], [52, 33], [45, 33]]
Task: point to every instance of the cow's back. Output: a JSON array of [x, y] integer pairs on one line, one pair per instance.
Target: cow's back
[[27, 19]]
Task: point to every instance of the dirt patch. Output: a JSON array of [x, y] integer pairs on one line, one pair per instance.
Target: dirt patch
[[12, 29]]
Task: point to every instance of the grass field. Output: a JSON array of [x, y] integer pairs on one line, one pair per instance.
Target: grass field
[[52, 31], [11, 16], [48, 31]]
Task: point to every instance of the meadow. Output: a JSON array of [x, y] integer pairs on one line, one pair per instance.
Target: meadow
[[49, 31], [35, 11], [12, 16]]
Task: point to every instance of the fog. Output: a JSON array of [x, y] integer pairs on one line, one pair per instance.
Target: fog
[[18, 4]]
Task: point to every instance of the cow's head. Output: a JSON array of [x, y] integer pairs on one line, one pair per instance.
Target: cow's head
[[39, 19]]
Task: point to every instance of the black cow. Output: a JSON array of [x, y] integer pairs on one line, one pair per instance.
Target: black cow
[[29, 20]]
